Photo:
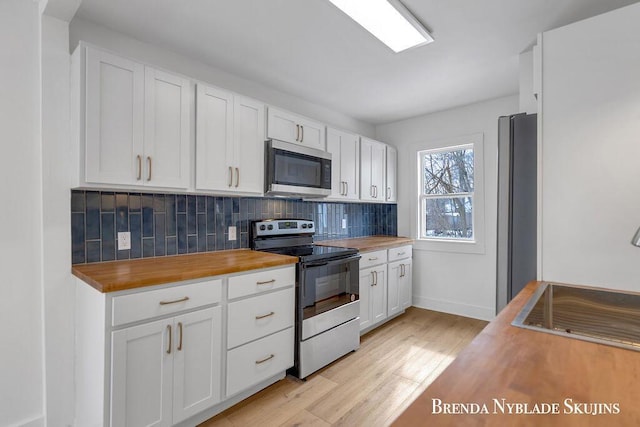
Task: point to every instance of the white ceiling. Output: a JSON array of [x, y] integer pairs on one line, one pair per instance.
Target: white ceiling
[[309, 49]]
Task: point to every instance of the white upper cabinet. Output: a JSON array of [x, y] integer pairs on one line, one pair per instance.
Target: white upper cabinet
[[214, 139], [391, 175], [296, 129], [167, 129], [229, 142], [372, 170], [114, 119], [345, 164], [137, 124]]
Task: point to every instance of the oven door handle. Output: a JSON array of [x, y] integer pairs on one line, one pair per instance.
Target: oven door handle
[[315, 264]]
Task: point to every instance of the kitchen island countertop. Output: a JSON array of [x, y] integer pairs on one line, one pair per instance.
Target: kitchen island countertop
[[505, 364]]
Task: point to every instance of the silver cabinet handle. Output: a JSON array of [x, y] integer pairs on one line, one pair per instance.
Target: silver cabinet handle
[[346, 191], [237, 177], [302, 137], [371, 191], [271, 356], [373, 279], [149, 162], [401, 253], [265, 315], [139, 177], [401, 270], [169, 346], [183, 299], [266, 282], [376, 188], [388, 195], [230, 176], [298, 133], [376, 277], [373, 259], [180, 342]]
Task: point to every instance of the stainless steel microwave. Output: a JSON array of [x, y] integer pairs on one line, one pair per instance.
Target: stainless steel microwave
[[296, 171]]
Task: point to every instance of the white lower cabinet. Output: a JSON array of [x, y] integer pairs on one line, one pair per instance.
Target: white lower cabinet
[[373, 295], [385, 285], [165, 371], [156, 356], [254, 362]]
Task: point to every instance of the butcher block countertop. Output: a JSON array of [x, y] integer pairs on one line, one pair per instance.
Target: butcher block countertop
[[120, 275], [533, 372], [371, 243]]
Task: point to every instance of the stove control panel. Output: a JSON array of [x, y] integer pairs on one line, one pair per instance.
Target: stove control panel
[[280, 227]]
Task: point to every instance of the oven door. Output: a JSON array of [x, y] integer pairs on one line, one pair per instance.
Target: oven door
[[327, 285]]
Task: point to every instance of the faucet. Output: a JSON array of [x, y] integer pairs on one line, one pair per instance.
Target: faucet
[[636, 239]]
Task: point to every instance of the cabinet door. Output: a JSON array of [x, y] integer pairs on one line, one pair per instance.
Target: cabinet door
[[379, 295], [214, 139], [248, 118], [114, 119], [167, 129], [372, 170], [141, 366], [406, 285], [197, 362], [312, 134], [345, 164], [392, 161], [292, 128], [366, 283], [393, 288], [283, 126]]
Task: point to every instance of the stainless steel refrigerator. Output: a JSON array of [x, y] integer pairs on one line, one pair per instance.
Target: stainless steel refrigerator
[[517, 205]]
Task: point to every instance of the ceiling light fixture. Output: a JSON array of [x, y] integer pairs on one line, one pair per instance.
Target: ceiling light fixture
[[389, 21]]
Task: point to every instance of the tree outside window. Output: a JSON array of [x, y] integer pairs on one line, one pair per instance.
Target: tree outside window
[[447, 191]]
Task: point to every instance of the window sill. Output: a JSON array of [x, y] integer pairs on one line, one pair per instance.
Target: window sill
[[435, 245]]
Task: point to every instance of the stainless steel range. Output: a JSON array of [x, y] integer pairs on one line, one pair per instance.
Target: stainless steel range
[[327, 292]]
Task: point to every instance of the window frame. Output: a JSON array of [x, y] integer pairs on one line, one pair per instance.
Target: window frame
[[476, 244]]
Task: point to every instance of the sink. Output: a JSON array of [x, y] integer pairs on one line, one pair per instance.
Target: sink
[[591, 314]]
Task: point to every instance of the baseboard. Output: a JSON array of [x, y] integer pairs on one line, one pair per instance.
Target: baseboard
[[37, 421], [452, 307]]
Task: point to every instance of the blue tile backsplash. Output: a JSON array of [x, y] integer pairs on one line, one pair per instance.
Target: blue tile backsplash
[[172, 224]]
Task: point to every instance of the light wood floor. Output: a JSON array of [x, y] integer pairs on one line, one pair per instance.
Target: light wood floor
[[369, 387]]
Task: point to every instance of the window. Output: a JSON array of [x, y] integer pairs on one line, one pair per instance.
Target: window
[[446, 186]]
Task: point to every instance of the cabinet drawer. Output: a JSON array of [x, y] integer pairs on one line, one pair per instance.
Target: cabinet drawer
[[149, 304], [254, 362], [259, 316], [401, 252], [373, 258], [253, 283]]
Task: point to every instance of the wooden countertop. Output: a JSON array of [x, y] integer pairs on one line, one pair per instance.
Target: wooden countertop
[[529, 367], [370, 243], [130, 274]]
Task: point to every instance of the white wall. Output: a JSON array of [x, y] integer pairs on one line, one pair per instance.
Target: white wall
[[58, 166], [460, 283], [21, 354], [528, 102], [591, 151], [135, 49]]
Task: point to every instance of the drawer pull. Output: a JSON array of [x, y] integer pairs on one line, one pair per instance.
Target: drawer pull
[[401, 253], [265, 315], [183, 299], [180, 342], [373, 259], [271, 356], [266, 282], [169, 346]]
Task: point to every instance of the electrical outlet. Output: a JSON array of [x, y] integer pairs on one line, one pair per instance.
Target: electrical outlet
[[232, 233], [124, 241], [344, 223]]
